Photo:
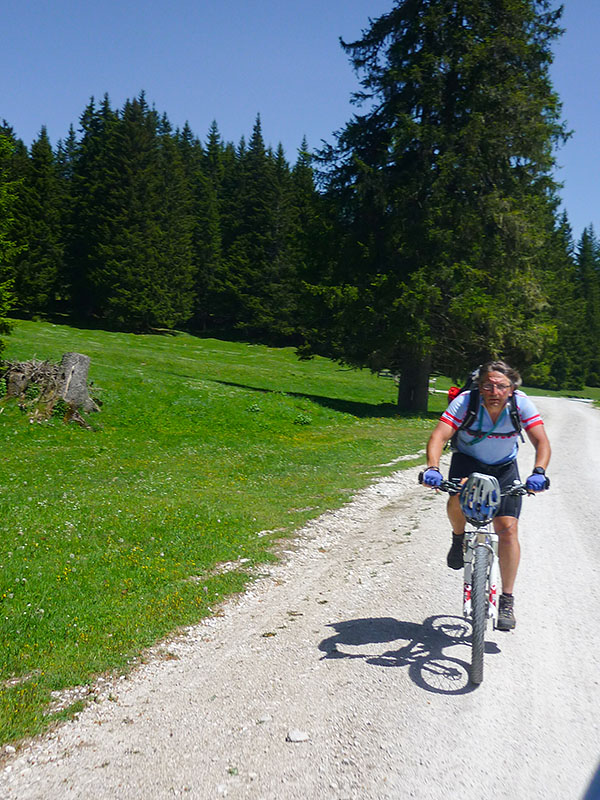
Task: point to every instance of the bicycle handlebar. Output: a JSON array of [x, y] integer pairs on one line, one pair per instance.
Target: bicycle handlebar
[[454, 486]]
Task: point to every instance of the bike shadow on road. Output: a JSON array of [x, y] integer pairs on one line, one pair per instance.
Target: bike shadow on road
[[423, 652]]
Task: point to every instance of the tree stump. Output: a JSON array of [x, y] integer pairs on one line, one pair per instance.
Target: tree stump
[[73, 382], [42, 388], [16, 383]]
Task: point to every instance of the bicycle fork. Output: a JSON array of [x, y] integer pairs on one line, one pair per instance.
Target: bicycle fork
[[489, 541]]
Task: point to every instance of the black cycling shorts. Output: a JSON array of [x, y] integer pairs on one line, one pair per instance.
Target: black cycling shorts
[[463, 465]]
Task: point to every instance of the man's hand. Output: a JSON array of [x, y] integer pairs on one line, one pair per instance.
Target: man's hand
[[537, 482], [432, 477]]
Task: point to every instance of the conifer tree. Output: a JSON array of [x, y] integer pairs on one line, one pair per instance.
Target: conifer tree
[[251, 248], [176, 224], [257, 289], [132, 215], [278, 315], [92, 172], [588, 284], [315, 250], [238, 232], [306, 212], [127, 245], [442, 187], [66, 159], [223, 176], [7, 246], [38, 227], [209, 249], [562, 364]]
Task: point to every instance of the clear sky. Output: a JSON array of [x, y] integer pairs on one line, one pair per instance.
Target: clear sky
[[227, 60]]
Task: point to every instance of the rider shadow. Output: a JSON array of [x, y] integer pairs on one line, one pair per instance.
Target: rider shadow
[[429, 667]]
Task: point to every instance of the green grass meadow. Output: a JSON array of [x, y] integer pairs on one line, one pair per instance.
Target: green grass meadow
[[109, 537]]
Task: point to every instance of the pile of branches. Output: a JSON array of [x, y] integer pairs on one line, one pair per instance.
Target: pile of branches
[[41, 389]]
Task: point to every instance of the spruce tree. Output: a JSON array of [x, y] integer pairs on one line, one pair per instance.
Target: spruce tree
[[7, 245], [224, 294], [132, 257], [442, 187], [251, 249], [208, 242], [562, 364], [314, 245], [91, 185], [39, 224], [588, 284], [66, 159], [279, 310], [127, 246], [176, 224], [307, 218], [258, 285]]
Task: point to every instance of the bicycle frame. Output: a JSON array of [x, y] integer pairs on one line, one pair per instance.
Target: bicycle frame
[[489, 540]]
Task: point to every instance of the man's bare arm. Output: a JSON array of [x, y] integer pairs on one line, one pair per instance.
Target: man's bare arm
[[435, 446], [539, 439]]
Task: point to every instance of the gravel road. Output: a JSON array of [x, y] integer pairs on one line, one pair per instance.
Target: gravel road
[[354, 648]]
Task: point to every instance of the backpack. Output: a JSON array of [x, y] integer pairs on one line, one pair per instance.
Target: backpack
[[472, 385], [453, 392]]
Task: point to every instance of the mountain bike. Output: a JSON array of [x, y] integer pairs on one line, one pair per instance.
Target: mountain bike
[[481, 566]]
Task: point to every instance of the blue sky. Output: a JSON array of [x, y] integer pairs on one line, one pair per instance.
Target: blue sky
[[231, 59]]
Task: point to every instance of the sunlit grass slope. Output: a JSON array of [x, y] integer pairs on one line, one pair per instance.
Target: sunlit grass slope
[[109, 537]]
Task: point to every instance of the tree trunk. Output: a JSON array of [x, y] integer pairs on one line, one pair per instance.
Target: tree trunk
[[413, 389]]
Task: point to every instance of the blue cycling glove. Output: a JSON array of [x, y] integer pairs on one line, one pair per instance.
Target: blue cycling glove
[[537, 483], [432, 477]]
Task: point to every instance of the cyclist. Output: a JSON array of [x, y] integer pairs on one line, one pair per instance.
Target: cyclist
[[490, 446]]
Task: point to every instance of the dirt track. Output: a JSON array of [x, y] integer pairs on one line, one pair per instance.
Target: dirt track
[[356, 642]]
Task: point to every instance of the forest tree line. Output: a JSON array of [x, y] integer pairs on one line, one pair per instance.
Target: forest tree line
[[138, 226], [426, 238]]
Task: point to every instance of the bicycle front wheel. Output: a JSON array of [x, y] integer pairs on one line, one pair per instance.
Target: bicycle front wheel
[[479, 602]]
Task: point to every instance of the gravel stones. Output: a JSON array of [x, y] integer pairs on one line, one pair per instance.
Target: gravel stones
[[296, 735]]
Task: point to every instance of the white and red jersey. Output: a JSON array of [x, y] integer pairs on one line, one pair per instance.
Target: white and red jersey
[[489, 443]]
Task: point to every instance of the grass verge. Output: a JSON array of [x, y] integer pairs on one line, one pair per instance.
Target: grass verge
[[109, 537]]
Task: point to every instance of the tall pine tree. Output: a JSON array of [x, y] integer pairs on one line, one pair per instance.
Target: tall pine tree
[[250, 244], [66, 158], [588, 285], [442, 188], [7, 245], [39, 225], [90, 193], [562, 364], [132, 256]]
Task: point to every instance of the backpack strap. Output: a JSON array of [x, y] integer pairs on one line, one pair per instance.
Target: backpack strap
[[515, 417], [470, 416], [472, 409]]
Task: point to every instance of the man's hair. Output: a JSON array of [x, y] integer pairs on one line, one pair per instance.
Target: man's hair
[[500, 366]]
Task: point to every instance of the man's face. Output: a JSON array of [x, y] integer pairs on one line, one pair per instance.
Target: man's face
[[496, 390]]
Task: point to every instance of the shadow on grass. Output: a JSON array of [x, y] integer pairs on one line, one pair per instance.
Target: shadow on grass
[[422, 650], [357, 409]]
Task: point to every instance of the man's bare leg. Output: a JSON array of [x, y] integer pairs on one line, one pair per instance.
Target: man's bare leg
[[455, 515], [509, 550]]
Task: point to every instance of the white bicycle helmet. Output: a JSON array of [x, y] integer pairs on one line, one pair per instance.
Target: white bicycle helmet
[[480, 498]]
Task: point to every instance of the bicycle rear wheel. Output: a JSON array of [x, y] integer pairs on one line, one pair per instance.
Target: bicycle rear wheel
[[479, 602]]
